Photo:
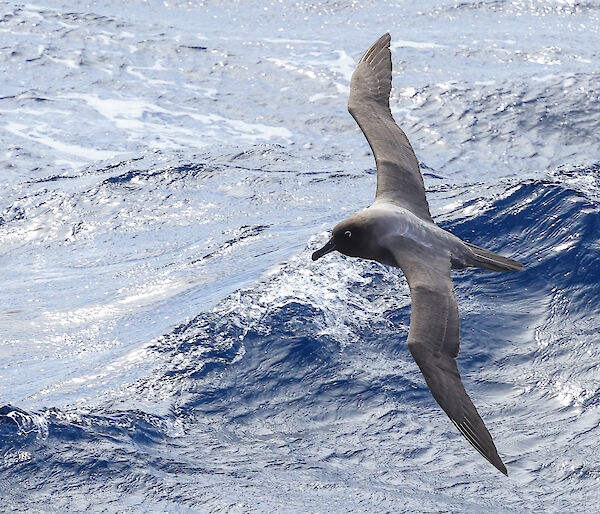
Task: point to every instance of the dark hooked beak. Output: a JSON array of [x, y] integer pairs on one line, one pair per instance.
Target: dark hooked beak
[[329, 247]]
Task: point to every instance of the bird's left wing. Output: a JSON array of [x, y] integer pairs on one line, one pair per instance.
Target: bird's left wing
[[399, 179], [433, 340]]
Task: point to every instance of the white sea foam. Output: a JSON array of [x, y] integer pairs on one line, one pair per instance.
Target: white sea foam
[[292, 41], [245, 130], [39, 136], [399, 43], [344, 64], [123, 113], [565, 246], [320, 96], [131, 115], [69, 63], [290, 67]]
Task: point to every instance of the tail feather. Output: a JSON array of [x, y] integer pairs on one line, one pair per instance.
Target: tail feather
[[485, 259]]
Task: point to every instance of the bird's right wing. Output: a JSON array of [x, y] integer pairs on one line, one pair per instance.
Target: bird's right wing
[[433, 341], [399, 179]]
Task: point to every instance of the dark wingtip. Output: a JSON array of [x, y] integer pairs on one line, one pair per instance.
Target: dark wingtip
[[500, 467], [375, 48], [495, 460], [516, 266], [490, 453]]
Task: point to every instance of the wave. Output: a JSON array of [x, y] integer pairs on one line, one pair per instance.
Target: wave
[[307, 373]]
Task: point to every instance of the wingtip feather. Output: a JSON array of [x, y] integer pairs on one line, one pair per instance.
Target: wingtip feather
[[375, 48], [494, 459]]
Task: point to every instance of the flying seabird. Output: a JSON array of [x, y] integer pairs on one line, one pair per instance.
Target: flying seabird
[[397, 230]]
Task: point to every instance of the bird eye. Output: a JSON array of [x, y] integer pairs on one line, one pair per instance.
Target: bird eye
[[348, 233]]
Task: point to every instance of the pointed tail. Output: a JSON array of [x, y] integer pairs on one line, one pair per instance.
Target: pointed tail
[[485, 259]]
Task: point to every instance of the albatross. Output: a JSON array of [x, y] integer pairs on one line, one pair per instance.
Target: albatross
[[397, 230]]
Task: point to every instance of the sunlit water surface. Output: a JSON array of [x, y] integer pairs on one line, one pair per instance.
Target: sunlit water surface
[[166, 343]]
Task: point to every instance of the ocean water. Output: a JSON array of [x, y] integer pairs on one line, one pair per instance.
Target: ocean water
[[166, 342]]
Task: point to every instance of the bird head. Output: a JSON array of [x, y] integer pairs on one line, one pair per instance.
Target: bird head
[[349, 237]]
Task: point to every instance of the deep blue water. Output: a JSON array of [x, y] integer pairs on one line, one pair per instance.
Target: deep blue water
[[166, 342]]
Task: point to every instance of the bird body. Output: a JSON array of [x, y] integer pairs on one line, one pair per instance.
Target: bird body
[[392, 228], [398, 230]]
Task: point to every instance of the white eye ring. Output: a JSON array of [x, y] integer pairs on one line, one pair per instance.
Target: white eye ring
[[348, 233]]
